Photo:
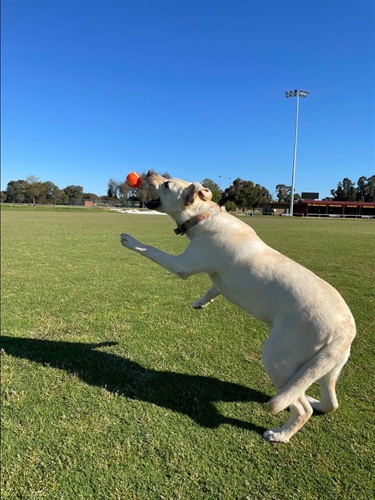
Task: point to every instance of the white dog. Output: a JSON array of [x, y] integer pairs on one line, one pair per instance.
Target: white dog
[[312, 328]]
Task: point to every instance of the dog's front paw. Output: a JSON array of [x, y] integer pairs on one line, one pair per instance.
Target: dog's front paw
[[129, 242], [201, 304], [275, 436], [197, 304]]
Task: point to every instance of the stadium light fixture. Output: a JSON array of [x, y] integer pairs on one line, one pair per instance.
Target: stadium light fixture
[[298, 94]]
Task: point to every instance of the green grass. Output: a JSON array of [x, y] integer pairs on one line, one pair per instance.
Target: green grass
[[113, 387]]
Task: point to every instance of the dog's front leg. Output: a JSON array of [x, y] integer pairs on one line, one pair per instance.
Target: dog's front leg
[[207, 298], [183, 265]]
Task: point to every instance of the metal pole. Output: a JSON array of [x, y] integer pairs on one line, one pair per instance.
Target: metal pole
[[294, 159]]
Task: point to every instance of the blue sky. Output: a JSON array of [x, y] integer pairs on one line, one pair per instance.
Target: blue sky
[[93, 89]]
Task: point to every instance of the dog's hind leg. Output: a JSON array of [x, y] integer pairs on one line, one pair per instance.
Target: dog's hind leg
[[300, 412], [207, 298], [281, 365], [328, 401]]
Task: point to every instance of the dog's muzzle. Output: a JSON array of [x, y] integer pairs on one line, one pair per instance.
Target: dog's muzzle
[[153, 204]]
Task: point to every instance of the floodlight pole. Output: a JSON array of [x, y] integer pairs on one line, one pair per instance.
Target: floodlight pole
[[297, 94]]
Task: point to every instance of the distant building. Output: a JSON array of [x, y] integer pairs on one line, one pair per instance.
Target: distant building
[[275, 208], [319, 208], [88, 203]]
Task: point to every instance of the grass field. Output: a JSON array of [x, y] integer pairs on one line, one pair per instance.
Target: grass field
[[113, 387]]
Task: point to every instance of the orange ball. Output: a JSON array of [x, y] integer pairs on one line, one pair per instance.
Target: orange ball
[[133, 180]]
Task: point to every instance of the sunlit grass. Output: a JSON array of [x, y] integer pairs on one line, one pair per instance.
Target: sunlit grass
[[114, 387]]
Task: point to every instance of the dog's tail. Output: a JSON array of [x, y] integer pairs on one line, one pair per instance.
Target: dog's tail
[[318, 366]]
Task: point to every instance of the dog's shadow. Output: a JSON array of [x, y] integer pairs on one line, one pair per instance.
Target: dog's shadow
[[192, 395]]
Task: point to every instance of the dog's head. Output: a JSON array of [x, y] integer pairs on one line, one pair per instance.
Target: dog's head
[[179, 199]]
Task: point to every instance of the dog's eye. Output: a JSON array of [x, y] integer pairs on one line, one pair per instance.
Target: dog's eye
[[166, 185]]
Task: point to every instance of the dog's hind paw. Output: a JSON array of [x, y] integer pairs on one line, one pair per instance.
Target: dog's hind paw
[[275, 436], [330, 405], [314, 403]]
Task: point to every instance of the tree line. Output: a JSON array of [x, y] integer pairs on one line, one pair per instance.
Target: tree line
[[347, 190], [240, 195], [33, 191]]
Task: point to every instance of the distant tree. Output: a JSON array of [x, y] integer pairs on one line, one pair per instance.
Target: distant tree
[[3, 196], [366, 188], [345, 191], [49, 193], [104, 199], [16, 191], [31, 190], [283, 193], [246, 194], [122, 189], [74, 194], [362, 188], [371, 188], [230, 206], [90, 196], [261, 195], [63, 198], [113, 188], [214, 188], [34, 189]]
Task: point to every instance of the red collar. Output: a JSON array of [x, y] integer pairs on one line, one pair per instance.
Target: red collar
[[183, 228]]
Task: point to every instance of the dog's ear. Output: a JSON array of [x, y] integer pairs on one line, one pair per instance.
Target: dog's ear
[[205, 194], [194, 189]]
